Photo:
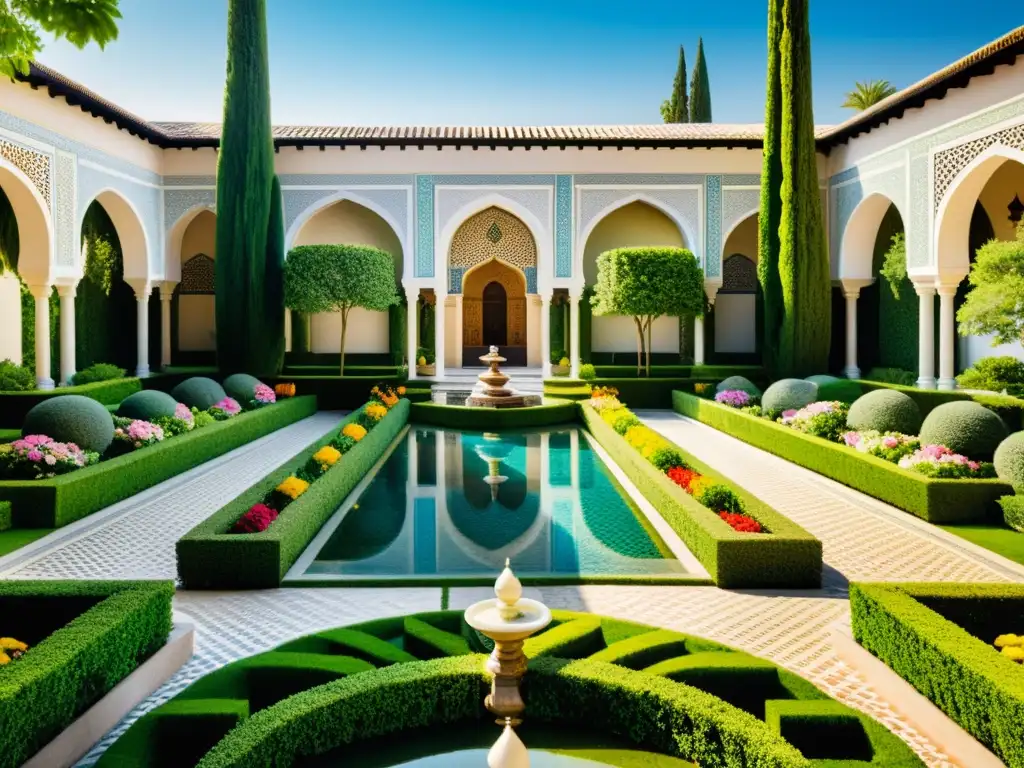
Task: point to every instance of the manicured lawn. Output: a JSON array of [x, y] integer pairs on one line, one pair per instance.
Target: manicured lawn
[[9, 435], [999, 539], [19, 537]]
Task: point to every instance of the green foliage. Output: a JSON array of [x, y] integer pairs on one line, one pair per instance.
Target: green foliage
[[587, 372], [964, 427], [624, 421], [998, 374], [99, 372], [554, 411], [1009, 409], [148, 405], [398, 330], [9, 241], [646, 283], [788, 556], [102, 263], [250, 237], [1013, 512], [15, 378], [906, 626], [700, 89], [935, 500], [14, 406], [867, 94], [72, 419], [993, 305], [112, 627], [337, 278], [28, 330], [789, 394], [892, 376], [720, 498], [80, 22], [886, 410], [665, 458], [61, 500], [739, 383], [832, 388], [5, 515], [1009, 460], [793, 266], [241, 386], [894, 264], [199, 392], [675, 109]]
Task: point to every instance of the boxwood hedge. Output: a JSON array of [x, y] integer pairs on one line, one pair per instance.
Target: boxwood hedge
[[14, 405], [5, 515], [552, 412], [85, 638], [60, 500], [935, 500], [209, 557], [788, 556], [1010, 408], [937, 637]]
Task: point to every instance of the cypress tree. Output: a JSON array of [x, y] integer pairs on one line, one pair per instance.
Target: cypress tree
[[700, 89], [676, 109], [250, 221], [793, 261]]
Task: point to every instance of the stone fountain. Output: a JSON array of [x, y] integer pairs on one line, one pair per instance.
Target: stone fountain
[[493, 451], [491, 391]]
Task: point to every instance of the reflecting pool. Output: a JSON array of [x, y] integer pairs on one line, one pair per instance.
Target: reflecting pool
[[453, 504]]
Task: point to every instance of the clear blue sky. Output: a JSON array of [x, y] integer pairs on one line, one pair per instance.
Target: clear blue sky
[[394, 62]]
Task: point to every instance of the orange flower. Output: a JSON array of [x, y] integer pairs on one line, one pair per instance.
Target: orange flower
[[285, 390]]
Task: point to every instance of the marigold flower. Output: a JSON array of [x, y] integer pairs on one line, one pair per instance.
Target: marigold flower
[[285, 389], [327, 456], [293, 487], [376, 412], [10, 644], [401, 391], [356, 431]]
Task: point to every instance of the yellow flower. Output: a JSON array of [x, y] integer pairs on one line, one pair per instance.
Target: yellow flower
[[4, 658], [327, 456], [422, 360], [401, 390], [293, 487], [1001, 642], [10, 644], [376, 412], [356, 431], [1014, 653]]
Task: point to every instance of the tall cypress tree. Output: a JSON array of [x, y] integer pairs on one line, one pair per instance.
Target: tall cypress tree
[[700, 89], [676, 109], [793, 263], [250, 298]]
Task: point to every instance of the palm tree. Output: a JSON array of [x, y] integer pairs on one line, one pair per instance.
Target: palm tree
[[867, 94]]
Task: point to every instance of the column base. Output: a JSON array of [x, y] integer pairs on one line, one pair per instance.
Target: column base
[[69, 380], [142, 371], [851, 372], [947, 384], [925, 382], [46, 383]]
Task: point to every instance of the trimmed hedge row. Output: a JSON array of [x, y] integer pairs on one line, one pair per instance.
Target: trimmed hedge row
[[209, 557], [489, 419], [5, 515], [932, 499], [905, 626], [788, 556], [85, 638], [57, 501], [1010, 409], [15, 405], [581, 672], [337, 393]]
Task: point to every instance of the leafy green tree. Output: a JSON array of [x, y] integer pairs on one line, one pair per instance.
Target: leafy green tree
[[646, 283], [9, 243], [337, 278], [867, 94], [675, 109], [700, 89], [250, 221], [80, 22], [994, 305], [894, 264], [793, 265]]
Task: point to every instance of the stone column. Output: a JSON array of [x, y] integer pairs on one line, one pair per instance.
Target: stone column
[[545, 335], [41, 293], [459, 362], [926, 336], [412, 329], [439, 341], [698, 340], [947, 336], [851, 291], [67, 332], [142, 291], [166, 295], [574, 335], [288, 317]]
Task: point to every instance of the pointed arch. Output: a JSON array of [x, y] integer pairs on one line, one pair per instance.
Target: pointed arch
[[35, 227], [135, 245], [857, 247], [175, 240]]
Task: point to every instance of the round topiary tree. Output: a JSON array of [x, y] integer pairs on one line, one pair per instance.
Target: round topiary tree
[[72, 419], [241, 386], [738, 383], [789, 394], [148, 405], [965, 427], [1009, 461], [199, 392], [886, 410]]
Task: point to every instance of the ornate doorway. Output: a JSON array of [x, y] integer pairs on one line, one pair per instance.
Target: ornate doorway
[[495, 320], [494, 312]]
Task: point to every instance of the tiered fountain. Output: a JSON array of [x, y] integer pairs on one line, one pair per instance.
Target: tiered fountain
[[491, 391]]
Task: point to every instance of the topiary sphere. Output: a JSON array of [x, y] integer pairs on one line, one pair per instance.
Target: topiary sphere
[[72, 419], [199, 392], [740, 383], [241, 386], [148, 405], [1009, 460], [886, 410], [789, 395], [964, 427]]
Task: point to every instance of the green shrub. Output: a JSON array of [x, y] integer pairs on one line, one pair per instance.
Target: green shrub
[[98, 372], [1009, 460], [832, 388], [242, 387], [422, 353], [72, 419], [1013, 512], [738, 383], [15, 378], [625, 421], [720, 498], [789, 394], [148, 405], [5, 515], [998, 374], [966, 428], [666, 458], [886, 410], [892, 376], [199, 392], [587, 372]]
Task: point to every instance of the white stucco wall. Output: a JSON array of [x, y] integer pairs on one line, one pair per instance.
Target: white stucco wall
[[618, 334], [735, 322], [197, 324], [10, 318], [367, 332], [1007, 181]]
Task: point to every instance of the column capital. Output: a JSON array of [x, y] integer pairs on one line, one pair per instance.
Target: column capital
[[142, 286], [40, 291], [711, 289], [852, 286], [946, 289], [924, 289], [167, 290], [67, 290]]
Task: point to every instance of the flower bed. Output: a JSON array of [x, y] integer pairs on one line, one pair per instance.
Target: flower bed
[[936, 499], [304, 492], [83, 638], [782, 555], [931, 636], [53, 502]]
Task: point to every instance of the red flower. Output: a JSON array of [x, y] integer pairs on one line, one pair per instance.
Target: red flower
[[741, 523], [258, 518], [682, 477]]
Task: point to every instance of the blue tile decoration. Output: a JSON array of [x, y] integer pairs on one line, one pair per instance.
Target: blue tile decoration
[[713, 227], [531, 279], [455, 275], [563, 226], [424, 226]]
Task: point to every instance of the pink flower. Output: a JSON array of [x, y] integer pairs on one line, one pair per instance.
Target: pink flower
[[181, 411], [229, 405], [38, 439], [35, 455], [264, 394], [50, 459], [890, 442], [789, 414]]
